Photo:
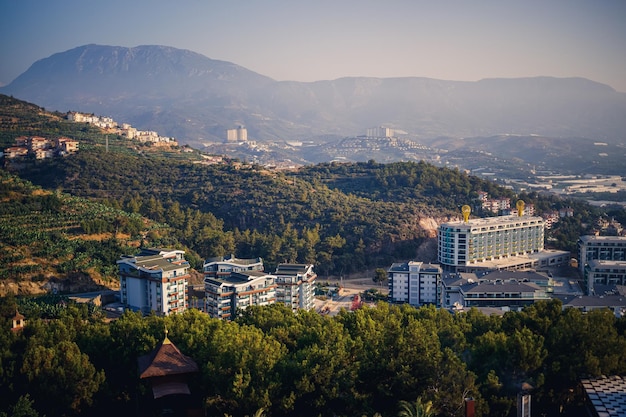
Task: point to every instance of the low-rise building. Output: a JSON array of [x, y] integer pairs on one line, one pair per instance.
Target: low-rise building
[[15, 152], [504, 290], [616, 303], [66, 145], [155, 280], [511, 294]]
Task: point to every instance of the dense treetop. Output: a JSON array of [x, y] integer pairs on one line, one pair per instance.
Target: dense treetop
[[357, 363]]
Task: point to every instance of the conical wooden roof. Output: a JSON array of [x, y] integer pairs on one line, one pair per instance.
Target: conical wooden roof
[[165, 360]]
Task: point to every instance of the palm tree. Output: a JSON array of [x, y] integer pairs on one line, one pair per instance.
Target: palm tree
[[416, 409]]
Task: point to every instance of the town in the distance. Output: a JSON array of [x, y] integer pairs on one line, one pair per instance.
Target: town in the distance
[[495, 264]]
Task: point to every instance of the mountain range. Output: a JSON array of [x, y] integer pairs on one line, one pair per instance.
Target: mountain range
[[193, 98]]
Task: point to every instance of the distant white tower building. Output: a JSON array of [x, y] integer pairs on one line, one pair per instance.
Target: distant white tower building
[[379, 132], [240, 134]]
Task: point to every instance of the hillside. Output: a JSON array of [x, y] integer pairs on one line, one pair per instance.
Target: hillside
[[344, 218], [51, 241], [195, 99]]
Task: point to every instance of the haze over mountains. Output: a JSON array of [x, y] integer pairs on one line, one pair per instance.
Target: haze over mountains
[[186, 95]]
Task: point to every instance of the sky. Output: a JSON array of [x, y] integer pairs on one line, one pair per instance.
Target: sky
[[298, 40]]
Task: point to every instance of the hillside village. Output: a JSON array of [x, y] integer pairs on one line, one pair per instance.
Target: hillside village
[[40, 148], [124, 129]]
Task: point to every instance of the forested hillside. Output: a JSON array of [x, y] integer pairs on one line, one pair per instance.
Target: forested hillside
[[46, 237], [343, 218]]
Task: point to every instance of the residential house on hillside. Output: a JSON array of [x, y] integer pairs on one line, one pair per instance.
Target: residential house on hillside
[[41, 148]]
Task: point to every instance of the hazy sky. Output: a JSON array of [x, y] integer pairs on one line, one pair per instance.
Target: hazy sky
[[328, 39]]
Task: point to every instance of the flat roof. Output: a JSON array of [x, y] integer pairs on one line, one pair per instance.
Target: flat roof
[[607, 263], [499, 287], [283, 269], [588, 238], [494, 221]]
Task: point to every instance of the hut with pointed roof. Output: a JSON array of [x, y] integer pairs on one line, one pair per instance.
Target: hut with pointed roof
[[167, 369]]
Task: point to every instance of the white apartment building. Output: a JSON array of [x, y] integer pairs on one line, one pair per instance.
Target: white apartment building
[[605, 248], [154, 280], [295, 286], [603, 272], [226, 296], [225, 279], [414, 283], [223, 266], [379, 132], [240, 134], [502, 242]]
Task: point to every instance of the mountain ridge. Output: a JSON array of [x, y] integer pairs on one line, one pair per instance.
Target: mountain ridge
[[195, 99]]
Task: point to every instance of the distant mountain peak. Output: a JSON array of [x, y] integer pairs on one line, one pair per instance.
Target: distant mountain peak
[[195, 99]]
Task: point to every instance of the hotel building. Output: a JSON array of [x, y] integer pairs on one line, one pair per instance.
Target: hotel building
[[503, 242], [154, 280]]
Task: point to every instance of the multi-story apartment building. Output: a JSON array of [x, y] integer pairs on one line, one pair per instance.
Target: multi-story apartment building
[[154, 280], [603, 248], [225, 265], [296, 286], [379, 132], [414, 283], [229, 294], [603, 272], [501, 242], [240, 134]]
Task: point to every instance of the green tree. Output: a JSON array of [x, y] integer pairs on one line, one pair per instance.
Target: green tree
[[380, 276], [61, 376], [419, 408], [23, 408]]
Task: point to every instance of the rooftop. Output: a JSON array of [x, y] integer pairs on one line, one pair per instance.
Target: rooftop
[[495, 221], [607, 395]]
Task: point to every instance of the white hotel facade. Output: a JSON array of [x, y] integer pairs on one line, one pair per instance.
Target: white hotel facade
[[504, 242]]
